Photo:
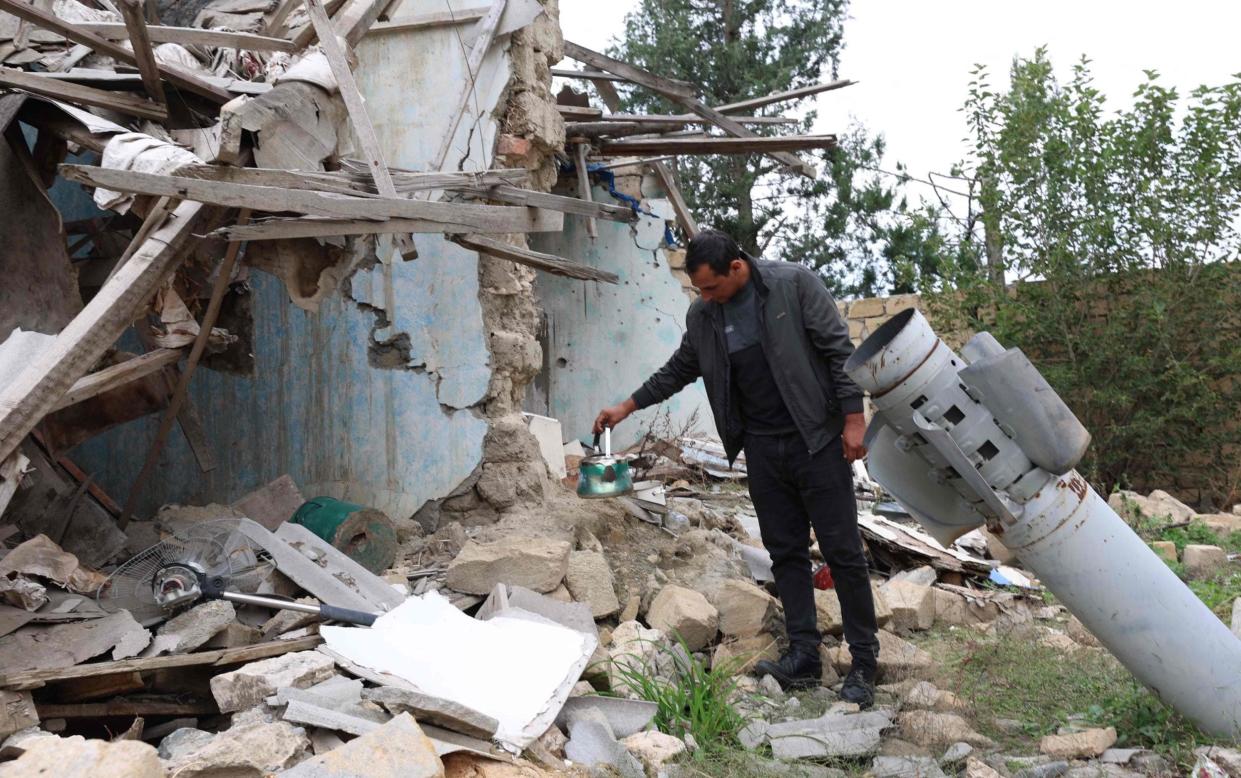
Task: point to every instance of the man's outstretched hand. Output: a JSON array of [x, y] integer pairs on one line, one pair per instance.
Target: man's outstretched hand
[[853, 435], [610, 417]]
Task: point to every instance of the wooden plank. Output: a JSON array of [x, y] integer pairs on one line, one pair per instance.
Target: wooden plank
[[583, 185], [123, 707], [75, 472], [358, 19], [780, 97], [485, 34], [179, 77], [715, 145], [362, 127], [579, 112], [224, 275], [136, 26], [684, 218], [193, 36], [267, 198], [548, 263], [221, 658], [118, 375], [682, 94], [82, 95], [275, 24], [99, 687], [586, 75], [34, 391], [532, 220], [529, 197], [353, 184], [308, 34], [688, 118], [430, 21]]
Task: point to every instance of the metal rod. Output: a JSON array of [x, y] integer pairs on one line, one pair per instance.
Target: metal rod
[[269, 602]]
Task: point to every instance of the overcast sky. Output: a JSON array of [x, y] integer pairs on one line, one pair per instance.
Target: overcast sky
[[913, 57]]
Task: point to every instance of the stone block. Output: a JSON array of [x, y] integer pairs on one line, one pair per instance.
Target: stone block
[[539, 564], [77, 757], [912, 604], [399, 747], [905, 767], [1222, 524], [633, 647], [1158, 505], [1165, 550], [898, 659], [250, 685], [624, 717], [192, 628], [976, 768], [1088, 744], [680, 612], [1203, 561], [654, 749], [743, 653], [589, 579], [923, 695], [939, 730], [955, 610], [833, 735], [867, 308], [17, 712], [256, 749], [827, 609], [745, 609]]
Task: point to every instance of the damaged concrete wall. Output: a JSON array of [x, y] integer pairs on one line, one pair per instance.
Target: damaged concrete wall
[[385, 395], [601, 341]]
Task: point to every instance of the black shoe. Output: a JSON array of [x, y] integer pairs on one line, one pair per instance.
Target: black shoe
[[799, 668], [859, 687]]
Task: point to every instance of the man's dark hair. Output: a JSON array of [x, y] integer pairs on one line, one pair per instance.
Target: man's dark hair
[[712, 248]]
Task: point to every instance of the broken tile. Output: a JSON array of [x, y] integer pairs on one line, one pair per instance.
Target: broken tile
[[424, 707]]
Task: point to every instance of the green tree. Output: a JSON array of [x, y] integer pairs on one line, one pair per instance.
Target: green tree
[[1106, 247], [850, 223]]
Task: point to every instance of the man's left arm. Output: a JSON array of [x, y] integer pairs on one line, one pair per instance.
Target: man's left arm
[[829, 334]]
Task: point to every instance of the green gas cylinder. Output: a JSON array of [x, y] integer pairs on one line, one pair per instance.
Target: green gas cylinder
[[365, 535]]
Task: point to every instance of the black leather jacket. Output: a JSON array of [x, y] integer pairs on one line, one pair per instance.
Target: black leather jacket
[[806, 342]]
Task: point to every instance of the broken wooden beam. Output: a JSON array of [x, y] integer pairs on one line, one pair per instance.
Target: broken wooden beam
[[686, 219], [308, 34], [33, 392], [11, 470], [579, 112], [780, 97], [586, 75], [192, 36], [431, 20], [358, 184], [273, 199], [35, 679], [688, 118], [515, 196], [362, 127], [118, 375], [70, 92], [124, 707], [716, 145], [583, 185], [140, 41], [179, 77], [680, 93], [513, 220], [548, 263]]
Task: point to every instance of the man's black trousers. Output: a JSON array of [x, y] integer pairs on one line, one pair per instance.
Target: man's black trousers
[[792, 491]]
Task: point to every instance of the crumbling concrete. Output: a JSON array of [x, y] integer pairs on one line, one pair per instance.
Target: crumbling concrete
[[399, 747], [252, 750], [832, 735], [252, 684]]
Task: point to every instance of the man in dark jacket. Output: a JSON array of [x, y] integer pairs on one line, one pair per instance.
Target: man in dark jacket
[[770, 345]]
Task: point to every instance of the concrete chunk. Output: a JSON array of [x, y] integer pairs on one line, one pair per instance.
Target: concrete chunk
[[832, 735], [1203, 561], [745, 609], [905, 767], [353, 719], [831, 621], [593, 743], [433, 710], [898, 659], [192, 629], [654, 749], [250, 685], [399, 747], [17, 712], [77, 757], [535, 563], [677, 611], [255, 749], [590, 581], [931, 729], [1087, 744], [912, 604]]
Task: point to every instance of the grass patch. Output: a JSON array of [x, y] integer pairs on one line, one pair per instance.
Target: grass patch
[[694, 700], [1011, 677], [1218, 592]]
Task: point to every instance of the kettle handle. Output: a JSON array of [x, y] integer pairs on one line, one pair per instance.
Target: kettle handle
[[607, 441]]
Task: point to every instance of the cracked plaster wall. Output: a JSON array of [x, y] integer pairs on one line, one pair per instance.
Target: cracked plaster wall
[[386, 396], [603, 340]]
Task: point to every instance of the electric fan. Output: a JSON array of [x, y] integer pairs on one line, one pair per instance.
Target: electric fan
[[209, 560]]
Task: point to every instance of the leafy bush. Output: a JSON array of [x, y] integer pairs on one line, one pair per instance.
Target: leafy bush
[[1106, 248]]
